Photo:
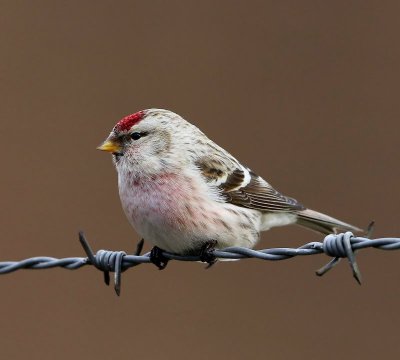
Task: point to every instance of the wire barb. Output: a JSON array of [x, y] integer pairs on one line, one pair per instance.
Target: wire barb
[[107, 261], [337, 246]]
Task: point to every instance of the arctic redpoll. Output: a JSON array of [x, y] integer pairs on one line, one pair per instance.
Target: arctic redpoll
[[184, 193]]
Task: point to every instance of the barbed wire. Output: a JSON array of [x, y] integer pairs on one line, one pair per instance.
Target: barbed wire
[[337, 246]]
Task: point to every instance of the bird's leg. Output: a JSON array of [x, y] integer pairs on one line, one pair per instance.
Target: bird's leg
[[157, 258], [207, 253]]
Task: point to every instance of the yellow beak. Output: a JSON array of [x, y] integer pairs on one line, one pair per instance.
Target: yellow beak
[[110, 146]]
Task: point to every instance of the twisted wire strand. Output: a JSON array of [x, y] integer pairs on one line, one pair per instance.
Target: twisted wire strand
[[336, 246]]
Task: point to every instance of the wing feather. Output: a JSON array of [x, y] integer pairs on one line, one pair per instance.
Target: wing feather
[[242, 187]]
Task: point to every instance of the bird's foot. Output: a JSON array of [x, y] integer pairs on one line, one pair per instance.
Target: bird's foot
[[207, 253], [157, 258]]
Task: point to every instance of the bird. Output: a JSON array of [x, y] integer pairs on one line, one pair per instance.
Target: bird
[[186, 195]]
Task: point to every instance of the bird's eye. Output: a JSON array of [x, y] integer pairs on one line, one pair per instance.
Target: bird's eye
[[136, 136]]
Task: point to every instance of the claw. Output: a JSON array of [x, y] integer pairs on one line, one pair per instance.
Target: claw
[[207, 253], [157, 258]]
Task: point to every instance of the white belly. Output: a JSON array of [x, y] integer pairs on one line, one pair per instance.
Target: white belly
[[169, 213]]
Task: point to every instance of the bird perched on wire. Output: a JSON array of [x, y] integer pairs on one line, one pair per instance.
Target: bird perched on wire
[[187, 195]]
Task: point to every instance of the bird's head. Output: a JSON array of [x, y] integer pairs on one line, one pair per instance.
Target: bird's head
[[143, 142]]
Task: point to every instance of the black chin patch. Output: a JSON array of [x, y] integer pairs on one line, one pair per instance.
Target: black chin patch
[[117, 156]]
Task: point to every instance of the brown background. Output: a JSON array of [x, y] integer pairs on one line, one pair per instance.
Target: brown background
[[305, 93]]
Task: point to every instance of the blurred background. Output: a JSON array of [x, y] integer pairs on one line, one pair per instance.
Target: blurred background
[[305, 93]]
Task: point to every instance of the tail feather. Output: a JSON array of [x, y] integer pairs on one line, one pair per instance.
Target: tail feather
[[323, 223]]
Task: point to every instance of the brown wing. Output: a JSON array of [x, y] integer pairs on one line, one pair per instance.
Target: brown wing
[[257, 194], [242, 187]]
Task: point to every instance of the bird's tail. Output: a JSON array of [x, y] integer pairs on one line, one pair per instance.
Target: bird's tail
[[323, 223]]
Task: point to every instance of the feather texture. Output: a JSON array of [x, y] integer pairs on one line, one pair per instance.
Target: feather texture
[[242, 187]]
